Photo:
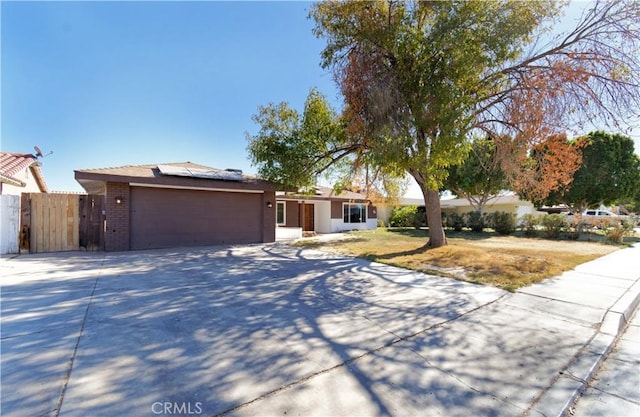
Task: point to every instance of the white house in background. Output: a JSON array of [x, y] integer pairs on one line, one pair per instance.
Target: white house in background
[[19, 173], [510, 203], [322, 211]]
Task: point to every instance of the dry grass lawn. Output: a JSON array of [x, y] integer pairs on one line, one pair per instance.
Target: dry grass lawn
[[507, 262]]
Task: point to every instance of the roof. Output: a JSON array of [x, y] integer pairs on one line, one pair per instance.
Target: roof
[[141, 171], [463, 202], [409, 201], [168, 174], [12, 163], [501, 199], [323, 193]]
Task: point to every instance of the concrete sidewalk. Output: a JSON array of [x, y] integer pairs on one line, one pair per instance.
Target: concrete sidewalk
[[609, 286], [274, 330], [615, 390]]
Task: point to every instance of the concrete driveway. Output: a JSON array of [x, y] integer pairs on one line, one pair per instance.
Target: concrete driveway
[[268, 330]]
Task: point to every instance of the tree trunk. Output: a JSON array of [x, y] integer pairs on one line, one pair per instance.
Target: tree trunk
[[437, 237], [433, 212]]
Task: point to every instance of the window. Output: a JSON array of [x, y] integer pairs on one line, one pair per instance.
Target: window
[[281, 218], [354, 213]]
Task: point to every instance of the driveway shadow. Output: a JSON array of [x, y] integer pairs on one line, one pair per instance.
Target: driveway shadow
[[225, 329]]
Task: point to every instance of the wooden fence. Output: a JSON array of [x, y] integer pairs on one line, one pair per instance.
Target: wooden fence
[[92, 222], [60, 222]]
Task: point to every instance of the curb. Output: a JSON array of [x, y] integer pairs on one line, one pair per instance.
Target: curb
[[565, 390]]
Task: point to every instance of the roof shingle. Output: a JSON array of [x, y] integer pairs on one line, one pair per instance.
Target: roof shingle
[[323, 193]]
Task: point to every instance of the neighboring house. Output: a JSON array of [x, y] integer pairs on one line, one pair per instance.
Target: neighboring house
[[19, 173], [322, 211], [181, 204], [510, 203]]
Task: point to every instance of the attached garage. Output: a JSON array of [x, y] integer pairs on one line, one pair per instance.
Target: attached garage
[[181, 204], [163, 218]]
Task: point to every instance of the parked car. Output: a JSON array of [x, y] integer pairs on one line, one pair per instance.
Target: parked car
[[597, 217]]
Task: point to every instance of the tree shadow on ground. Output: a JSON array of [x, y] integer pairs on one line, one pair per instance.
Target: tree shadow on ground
[[423, 232], [230, 328], [392, 255]]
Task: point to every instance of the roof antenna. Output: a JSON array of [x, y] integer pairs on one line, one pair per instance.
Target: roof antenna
[[39, 152]]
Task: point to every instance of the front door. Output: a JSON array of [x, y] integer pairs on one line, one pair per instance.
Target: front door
[[308, 217]]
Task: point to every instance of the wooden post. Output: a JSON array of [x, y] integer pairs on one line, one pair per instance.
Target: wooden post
[[25, 223]]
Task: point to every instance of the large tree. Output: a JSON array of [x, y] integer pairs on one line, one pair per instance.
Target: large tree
[[610, 171], [420, 78]]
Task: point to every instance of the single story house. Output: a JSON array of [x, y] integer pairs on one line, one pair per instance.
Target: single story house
[[322, 210], [181, 204]]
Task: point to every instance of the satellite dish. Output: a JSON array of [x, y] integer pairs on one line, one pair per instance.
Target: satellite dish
[[39, 152]]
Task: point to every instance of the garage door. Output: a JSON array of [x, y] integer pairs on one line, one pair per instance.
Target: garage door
[[164, 218]]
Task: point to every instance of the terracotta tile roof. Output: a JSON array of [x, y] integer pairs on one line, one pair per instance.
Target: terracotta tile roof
[[11, 163]]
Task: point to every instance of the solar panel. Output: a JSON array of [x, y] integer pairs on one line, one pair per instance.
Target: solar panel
[[212, 173]]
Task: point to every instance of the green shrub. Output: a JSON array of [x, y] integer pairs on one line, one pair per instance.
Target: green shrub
[[528, 224], [552, 225], [403, 216], [475, 221], [502, 222], [615, 233], [455, 221]]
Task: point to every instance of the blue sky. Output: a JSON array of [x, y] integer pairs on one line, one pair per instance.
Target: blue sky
[[110, 84], [115, 83]]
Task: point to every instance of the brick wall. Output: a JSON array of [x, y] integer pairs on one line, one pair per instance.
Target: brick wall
[[116, 236], [269, 217]]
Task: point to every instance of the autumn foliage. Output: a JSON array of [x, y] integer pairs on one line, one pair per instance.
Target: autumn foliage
[[549, 166]]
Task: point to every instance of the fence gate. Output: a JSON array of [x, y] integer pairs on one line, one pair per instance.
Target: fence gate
[[60, 222], [92, 222]]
